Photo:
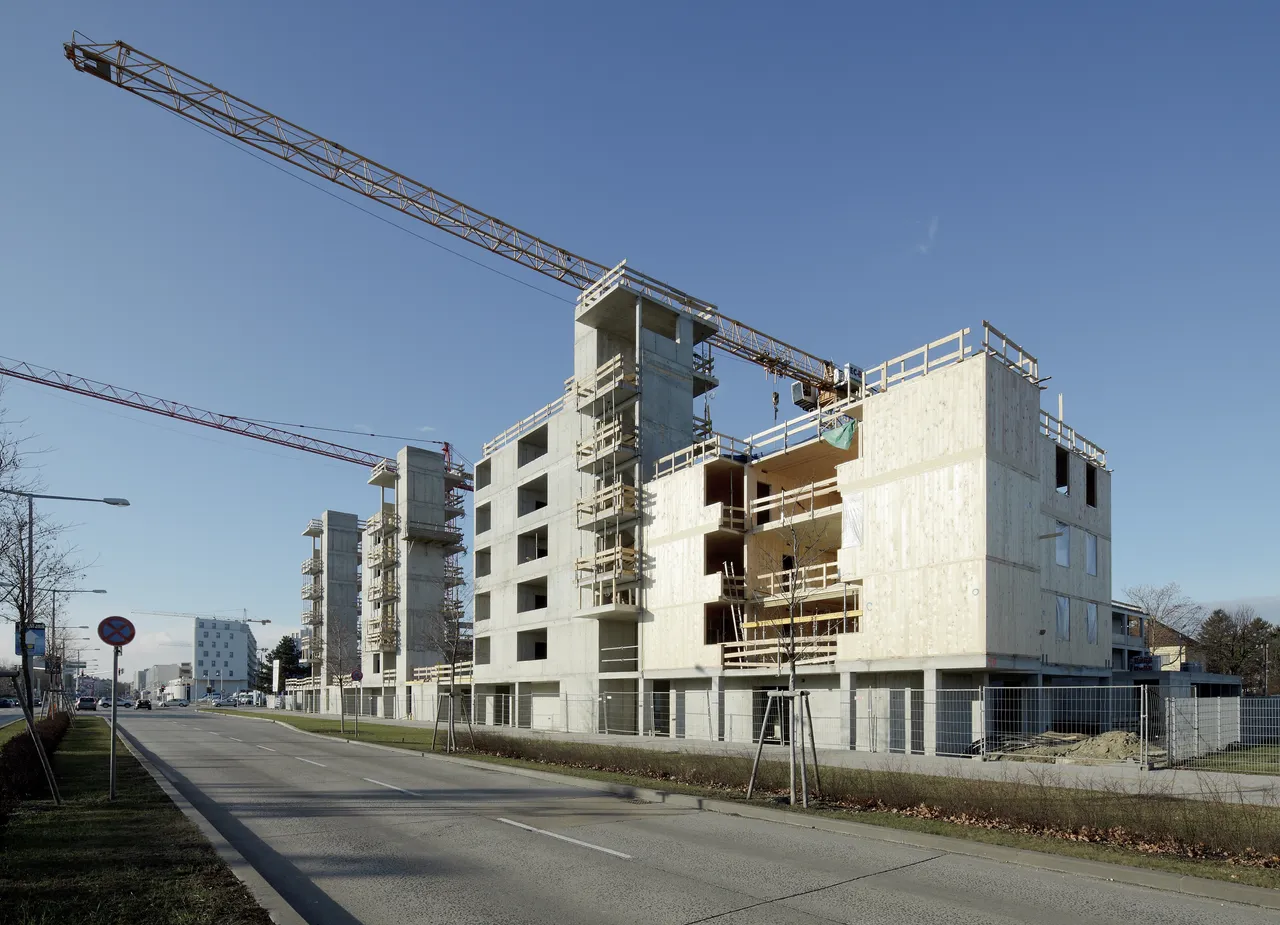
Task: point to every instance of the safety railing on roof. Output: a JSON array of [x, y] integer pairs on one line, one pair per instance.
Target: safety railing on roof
[[1066, 436], [996, 344], [520, 428], [714, 447], [946, 351]]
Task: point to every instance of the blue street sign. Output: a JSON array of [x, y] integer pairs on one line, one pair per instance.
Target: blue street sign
[[34, 641]]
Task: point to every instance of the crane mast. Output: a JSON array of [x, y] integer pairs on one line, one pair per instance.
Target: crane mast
[[238, 119]]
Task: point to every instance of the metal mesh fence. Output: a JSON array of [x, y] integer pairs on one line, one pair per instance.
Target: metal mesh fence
[[1081, 724]]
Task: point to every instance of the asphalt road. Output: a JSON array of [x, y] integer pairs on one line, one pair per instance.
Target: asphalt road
[[348, 834]]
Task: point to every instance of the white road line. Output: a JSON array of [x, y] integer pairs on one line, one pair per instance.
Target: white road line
[[389, 786], [584, 844], [264, 748], [309, 761], [215, 733], [234, 739]]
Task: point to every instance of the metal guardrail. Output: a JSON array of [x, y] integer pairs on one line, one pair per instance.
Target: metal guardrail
[[312, 565], [517, 430]]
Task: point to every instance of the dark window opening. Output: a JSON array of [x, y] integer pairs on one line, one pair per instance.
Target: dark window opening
[[1063, 470], [1091, 486]]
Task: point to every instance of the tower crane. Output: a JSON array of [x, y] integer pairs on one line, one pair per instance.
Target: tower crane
[[201, 616], [204, 104], [78, 385]]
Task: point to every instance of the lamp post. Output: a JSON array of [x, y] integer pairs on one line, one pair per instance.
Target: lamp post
[[26, 617]]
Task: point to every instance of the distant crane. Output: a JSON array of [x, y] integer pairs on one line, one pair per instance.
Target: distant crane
[[201, 616]]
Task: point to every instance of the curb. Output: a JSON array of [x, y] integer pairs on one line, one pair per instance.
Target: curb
[[263, 892], [1219, 890]]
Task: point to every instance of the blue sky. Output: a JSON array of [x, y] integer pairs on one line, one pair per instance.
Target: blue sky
[[1098, 182]]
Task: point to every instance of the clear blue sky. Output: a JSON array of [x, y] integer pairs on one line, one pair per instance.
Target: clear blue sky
[[1099, 182]]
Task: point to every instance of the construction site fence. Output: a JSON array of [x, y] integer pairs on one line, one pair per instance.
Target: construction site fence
[[1085, 724]]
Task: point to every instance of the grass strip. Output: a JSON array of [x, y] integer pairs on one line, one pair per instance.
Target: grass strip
[[9, 730], [1135, 830], [94, 862]]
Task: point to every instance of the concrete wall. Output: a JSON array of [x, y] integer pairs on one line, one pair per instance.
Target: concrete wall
[[919, 484]]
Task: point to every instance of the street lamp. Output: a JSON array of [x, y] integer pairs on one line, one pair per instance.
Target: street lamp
[[27, 613]]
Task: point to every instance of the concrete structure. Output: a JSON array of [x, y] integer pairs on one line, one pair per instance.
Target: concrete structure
[[331, 617], [226, 655], [414, 575], [928, 528]]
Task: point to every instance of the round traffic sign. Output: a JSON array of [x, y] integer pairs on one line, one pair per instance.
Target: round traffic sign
[[357, 675], [116, 631]]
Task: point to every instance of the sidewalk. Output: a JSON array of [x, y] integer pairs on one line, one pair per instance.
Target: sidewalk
[[1256, 789]]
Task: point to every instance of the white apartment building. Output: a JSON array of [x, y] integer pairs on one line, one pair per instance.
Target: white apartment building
[[225, 656], [931, 528], [331, 588]]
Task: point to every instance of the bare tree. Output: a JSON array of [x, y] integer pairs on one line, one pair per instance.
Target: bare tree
[[1167, 606], [339, 656], [449, 632], [791, 565]]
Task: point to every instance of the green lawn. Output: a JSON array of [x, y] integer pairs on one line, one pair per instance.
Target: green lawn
[[94, 862], [11, 729], [1259, 759], [594, 758]]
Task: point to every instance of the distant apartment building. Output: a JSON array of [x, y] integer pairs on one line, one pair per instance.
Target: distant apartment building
[[225, 655]]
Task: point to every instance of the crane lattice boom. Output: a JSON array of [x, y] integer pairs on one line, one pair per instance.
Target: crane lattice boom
[[182, 412], [203, 103]]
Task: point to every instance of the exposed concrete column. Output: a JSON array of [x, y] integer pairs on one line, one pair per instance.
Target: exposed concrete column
[[848, 708], [716, 706], [931, 711]]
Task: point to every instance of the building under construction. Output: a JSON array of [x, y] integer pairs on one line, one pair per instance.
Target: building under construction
[[920, 526]]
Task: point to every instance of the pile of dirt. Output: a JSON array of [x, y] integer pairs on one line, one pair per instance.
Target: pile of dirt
[[1109, 746]]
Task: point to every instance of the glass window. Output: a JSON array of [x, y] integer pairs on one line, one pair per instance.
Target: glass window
[[1064, 618], [217, 635], [224, 664], [206, 634], [1091, 553], [201, 624], [1063, 544], [1091, 621], [200, 663]]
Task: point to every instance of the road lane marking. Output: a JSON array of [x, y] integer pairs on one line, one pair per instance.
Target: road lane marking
[[264, 748], [584, 844], [389, 786], [309, 761], [234, 739], [215, 733]]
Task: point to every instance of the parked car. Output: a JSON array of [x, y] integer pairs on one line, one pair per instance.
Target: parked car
[[225, 703], [86, 703], [104, 703], [179, 703], [142, 705]]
